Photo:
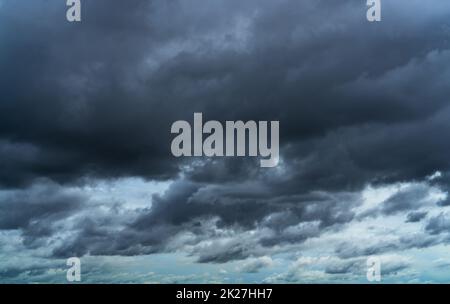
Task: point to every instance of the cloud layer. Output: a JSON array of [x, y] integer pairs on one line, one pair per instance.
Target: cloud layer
[[85, 115]]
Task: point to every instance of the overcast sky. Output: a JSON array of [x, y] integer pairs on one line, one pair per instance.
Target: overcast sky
[[86, 168]]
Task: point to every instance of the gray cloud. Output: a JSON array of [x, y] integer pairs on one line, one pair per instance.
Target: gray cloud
[[38, 210], [255, 265], [438, 224], [359, 104], [414, 217], [343, 267]]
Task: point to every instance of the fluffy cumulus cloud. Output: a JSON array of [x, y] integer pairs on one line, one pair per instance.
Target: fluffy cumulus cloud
[[85, 162]]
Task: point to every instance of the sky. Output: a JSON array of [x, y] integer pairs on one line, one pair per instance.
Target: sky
[[86, 169]]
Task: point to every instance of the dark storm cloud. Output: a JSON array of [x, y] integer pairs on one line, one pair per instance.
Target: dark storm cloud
[[439, 224], [410, 199], [414, 217], [39, 213], [205, 210], [68, 93], [95, 98], [35, 209], [358, 103]]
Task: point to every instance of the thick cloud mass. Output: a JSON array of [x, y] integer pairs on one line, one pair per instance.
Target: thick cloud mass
[[363, 110], [96, 98]]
